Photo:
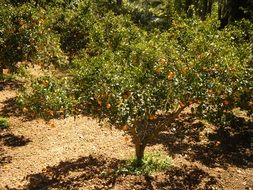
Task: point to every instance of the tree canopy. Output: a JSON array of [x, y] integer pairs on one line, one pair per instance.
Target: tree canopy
[[136, 64]]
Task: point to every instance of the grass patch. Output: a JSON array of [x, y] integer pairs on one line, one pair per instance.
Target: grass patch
[[4, 123], [152, 162]]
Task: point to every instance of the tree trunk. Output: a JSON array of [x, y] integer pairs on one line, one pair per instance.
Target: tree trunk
[[209, 7], [219, 9], [139, 152], [204, 9], [139, 144]]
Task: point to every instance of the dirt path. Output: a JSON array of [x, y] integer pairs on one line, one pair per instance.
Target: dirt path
[[57, 155]]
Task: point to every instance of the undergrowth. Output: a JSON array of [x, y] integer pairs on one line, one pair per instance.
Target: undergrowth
[[152, 162]]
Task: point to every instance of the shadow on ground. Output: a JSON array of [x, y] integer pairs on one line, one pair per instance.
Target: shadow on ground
[[4, 159], [86, 171], [8, 139], [10, 108], [96, 172], [212, 146], [188, 178], [10, 105], [5, 84], [12, 140]]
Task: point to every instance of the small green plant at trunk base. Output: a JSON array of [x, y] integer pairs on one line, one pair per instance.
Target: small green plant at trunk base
[[152, 162]]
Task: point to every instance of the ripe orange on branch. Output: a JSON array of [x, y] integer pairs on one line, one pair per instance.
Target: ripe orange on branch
[[162, 61], [99, 102], [152, 117], [108, 106], [170, 75], [125, 128], [225, 103]]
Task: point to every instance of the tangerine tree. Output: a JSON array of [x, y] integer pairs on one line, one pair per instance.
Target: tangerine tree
[[141, 80], [145, 83], [26, 36]]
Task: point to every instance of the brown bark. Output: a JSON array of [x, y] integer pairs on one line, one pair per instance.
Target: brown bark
[[204, 9], [139, 152], [209, 6], [141, 140], [139, 146]]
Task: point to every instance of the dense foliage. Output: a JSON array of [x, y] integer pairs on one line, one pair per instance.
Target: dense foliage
[[136, 64]]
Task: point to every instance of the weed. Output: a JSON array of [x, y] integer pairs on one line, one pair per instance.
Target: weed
[[152, 162], [4, 123]]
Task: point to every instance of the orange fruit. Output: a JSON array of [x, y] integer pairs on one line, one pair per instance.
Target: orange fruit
[[152, 117], [217, 143], [125, 128], [162, 61], [108, 106], [170, 75], [99, 102], [225, 102], [45, 83]]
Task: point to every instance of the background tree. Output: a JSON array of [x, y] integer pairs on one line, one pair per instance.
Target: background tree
[[232, 10]]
